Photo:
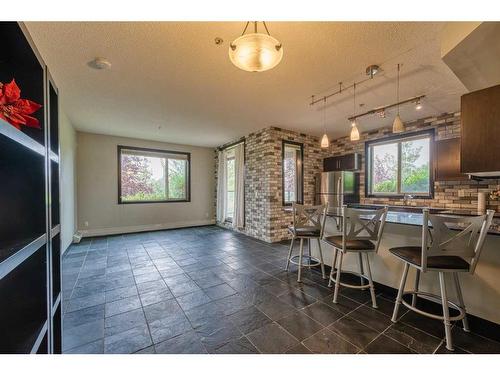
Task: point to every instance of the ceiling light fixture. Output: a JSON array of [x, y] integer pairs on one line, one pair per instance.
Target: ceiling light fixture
[[99, 63], [418, 105], [255, 52], [324, 140], [354, 128], [397, 125]]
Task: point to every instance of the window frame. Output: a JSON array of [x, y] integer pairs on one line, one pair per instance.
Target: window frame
[[300, 185], [133, 148], [428, 133], [229, 219]]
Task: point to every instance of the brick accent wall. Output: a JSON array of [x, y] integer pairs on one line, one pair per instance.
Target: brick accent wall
[[265, 217]]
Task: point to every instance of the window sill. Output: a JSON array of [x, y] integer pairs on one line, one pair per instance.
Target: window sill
[[145, 202]]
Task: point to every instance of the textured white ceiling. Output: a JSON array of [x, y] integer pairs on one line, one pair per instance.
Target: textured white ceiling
[[170, 82]]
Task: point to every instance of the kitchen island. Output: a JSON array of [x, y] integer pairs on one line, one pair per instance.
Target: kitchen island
[[481, 293]]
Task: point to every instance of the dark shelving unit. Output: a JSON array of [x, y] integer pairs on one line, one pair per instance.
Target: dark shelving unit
[[30, 230]]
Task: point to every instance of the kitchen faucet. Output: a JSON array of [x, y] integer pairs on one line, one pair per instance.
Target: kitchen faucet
[[406, 198]]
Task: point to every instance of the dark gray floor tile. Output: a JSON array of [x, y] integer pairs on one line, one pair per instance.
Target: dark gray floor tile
[[322, 313], [151, 285], [83, 316], [148, 350], [192, 300], [162, 310], [219, 291], [128, 342], [155, 296], [298, 349], [83, 334], [474, 343], [272, 338], [184, 288], [354, 331], [217, 333], [168, 327], [95, 347], [275, 308], [386, 345], [456, 350], [237, 346], [300, 325], [123, 322], [431, 326], [233, 304], [344, 305], [187, 343], [119, 282], [203, 314], [153, 276], [297, 299], [249, 319], [328, 342], [122, 305], [372, 318], [413, 338], [120, 293], [177, 279], [84, 302]]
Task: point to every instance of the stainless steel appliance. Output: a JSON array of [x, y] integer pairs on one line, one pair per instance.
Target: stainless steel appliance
[[337, 188]]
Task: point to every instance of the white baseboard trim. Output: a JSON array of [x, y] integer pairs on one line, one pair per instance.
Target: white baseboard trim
[[143, 228]]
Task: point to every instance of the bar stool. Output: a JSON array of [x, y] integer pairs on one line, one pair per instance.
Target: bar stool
[[443, 250], [308, 223], [360, 229]]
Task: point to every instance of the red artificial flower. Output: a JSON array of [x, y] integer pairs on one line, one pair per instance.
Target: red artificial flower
[[15, 110]]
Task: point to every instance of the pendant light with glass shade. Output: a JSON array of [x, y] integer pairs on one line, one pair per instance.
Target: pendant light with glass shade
[[324, 140], [397, 125], [354, 128], [255, 52]]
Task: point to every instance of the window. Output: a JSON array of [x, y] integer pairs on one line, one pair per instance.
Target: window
[[230, 184], [293, 154], [400, 165], [146, 175]]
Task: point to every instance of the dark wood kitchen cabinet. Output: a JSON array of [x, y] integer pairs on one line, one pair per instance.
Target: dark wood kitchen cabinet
[[349, 162], [447, 160], [480, 131]]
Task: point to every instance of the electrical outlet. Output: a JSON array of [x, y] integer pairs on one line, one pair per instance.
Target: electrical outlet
[[86, 223]]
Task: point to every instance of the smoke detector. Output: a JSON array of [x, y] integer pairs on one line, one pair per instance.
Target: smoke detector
[[99, 63]]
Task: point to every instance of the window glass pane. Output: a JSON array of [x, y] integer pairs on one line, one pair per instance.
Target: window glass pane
[[177, 179], [415, 166], [230, 188], [290, 173], [385, 168], [142, 178]]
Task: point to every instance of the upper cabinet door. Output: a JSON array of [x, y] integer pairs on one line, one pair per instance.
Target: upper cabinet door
[[480, 147], [447, 160], [349, 162]]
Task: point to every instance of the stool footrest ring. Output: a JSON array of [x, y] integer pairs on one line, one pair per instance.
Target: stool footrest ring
[[434, 298], [311, 261], [362, 287]]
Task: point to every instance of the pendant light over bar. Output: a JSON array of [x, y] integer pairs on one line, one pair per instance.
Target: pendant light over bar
[[354, 128], [324, 140], [397, 125]]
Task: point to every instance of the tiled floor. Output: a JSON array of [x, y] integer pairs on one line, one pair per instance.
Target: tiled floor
[[209, 290]]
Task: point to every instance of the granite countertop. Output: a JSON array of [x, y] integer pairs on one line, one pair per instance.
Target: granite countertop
[[397, 215]]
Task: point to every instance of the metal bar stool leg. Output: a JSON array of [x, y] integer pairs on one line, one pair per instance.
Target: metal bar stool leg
[[446, 312], [301, 251], [332, 271], [337, 280], [417, 282], [361, 271], [370, 281], [465, 322], [321, 259], [289, 255], [394, 318]]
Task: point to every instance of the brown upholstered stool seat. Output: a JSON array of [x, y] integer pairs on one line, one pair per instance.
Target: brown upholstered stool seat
[[350, 244], [305, 231], [413, 255]]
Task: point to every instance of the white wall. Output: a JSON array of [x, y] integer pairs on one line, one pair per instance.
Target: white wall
[[97, 183], [67, 139]]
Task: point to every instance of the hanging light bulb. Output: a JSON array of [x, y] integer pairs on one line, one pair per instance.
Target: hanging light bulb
[[354, 131], [354, 128], [397, 125], [324, 140], [255, 52], [418, 105]]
